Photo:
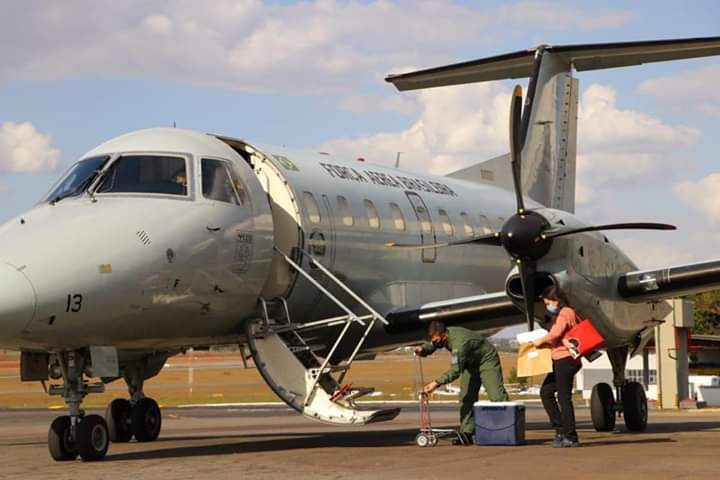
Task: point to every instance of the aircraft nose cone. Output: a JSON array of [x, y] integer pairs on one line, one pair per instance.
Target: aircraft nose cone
[[17, 301]]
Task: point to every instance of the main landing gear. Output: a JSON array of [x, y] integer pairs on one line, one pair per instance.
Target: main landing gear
[[629, 399], [77, 434], [89, 436], [138, 417]]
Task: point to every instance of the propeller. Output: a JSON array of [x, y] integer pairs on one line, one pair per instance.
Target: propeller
[[527, 236]]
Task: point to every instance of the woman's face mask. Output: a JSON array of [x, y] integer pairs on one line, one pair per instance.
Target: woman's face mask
[[551, 307]]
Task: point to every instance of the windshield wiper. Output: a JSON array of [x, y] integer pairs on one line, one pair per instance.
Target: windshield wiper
[[82, 186]]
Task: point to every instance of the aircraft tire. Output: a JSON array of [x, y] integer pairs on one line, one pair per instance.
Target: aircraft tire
[[60, 442], [146, 420], [422, 440], [93, 438], [635, 408], [602, 408], [118, 417]]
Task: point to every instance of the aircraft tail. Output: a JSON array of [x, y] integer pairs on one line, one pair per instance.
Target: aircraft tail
[[549, 121]]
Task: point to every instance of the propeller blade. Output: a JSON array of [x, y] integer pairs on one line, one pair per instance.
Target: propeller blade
[[492, 239], [527, 274], [612, 226], [516, 145]]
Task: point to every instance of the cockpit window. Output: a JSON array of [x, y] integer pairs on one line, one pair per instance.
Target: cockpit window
[[77, 179], [146, 174], [220, 183]]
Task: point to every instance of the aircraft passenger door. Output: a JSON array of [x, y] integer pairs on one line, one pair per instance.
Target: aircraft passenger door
[[426, 227]]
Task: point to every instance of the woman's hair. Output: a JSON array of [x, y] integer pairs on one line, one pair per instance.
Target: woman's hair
[[554, 293]]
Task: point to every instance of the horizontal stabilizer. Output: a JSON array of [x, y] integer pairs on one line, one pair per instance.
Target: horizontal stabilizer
[[583, 57]]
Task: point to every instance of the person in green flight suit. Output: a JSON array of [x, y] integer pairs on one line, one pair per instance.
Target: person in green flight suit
[[475, 361]]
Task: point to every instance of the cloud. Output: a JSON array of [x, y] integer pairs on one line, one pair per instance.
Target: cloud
[[250, 45], [456, 126], [702, 195], [696, 88], [622, 146], [404, 104], [25, 150], [462, 125]]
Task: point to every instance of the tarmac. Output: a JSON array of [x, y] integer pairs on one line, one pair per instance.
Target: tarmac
[[268, 441]]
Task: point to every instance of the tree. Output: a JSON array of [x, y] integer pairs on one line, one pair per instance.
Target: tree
[[707, 313]]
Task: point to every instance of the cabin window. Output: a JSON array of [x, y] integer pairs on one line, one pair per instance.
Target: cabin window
[[219, 182], [372, 214], [424, 217], [467, 224], [311, 207], [397, 215], [345, 211], [146, 174], [484, 225], [446, 223]]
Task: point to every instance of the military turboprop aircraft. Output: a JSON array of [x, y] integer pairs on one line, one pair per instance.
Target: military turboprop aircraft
[[166, 239]]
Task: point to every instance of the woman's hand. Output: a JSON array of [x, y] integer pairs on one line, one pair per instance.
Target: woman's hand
[[539, 342]]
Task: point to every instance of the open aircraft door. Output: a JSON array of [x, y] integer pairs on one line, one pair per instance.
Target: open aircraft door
[[425, 226]]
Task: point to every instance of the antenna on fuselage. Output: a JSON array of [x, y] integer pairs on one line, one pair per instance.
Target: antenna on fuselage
[[397, 159]]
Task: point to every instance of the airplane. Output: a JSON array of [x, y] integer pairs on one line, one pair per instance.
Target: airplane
[[165, 239]]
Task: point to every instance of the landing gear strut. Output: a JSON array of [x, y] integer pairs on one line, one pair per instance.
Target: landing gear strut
[[77, 434], [138, 417], [629, 400]]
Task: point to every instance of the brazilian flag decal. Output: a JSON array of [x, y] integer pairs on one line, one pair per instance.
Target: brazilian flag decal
[[286, 162]]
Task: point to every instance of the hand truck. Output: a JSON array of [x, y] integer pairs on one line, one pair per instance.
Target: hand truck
[[428, 436]]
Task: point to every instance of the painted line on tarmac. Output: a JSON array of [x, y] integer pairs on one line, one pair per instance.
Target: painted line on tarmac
[[283, 404]]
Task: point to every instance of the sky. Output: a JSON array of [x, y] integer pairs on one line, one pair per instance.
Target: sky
[[310, 74]]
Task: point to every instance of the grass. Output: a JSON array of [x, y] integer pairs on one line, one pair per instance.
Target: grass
[[188, 380]]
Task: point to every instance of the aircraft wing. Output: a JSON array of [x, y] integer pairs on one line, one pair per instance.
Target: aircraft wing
[[520, 64], [491, 310], [669, 282]]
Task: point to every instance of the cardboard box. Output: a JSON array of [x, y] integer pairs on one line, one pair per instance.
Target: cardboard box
[[533, 361]]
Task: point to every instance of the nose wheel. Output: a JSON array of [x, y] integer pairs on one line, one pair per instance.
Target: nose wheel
[[77, 434]]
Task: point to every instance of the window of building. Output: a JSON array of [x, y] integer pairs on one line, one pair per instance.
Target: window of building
[[467, 224], [146, 174], [220, 183], [636, 375], [345, 211], [397, 215], [311, 207], [446, 223], [372, 214]]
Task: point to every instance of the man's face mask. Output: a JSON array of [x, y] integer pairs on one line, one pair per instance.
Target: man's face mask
[[438, 341]]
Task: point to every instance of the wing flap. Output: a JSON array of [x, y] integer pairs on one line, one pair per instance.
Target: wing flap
[[669, 282], [496, 308]]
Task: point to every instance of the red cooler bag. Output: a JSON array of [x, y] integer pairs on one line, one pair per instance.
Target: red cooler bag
[[584, 339]]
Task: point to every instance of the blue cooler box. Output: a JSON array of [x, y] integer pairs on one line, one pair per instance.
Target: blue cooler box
[[499, 423]]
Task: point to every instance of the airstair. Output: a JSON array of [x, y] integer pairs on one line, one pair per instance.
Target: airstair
[[301, 378]]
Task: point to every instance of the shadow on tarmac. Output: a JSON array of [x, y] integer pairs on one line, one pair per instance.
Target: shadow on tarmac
[[259, 442]]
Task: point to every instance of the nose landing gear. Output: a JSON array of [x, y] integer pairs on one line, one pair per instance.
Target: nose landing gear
[[77, 434]]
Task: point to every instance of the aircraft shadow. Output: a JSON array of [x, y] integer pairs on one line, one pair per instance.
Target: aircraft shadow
[[259, 442]]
